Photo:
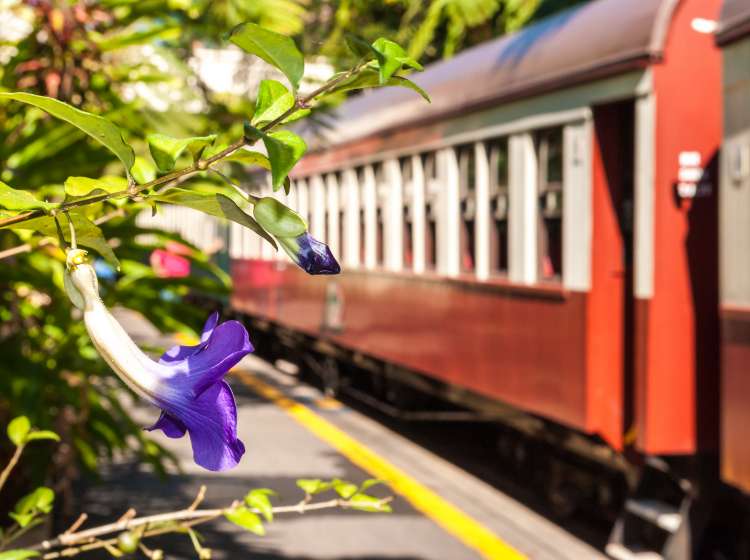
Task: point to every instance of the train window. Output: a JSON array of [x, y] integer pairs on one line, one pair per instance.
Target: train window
[[499, 207], [343, 199], [363, 201], [467, 197], [381, 193], [549, 144], [408, 220], [429, 168], [317, 207]]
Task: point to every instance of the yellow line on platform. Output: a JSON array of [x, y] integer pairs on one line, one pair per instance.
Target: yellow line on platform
[[445, 514]]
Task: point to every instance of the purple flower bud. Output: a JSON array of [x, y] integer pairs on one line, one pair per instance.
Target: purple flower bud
[[313, 256]]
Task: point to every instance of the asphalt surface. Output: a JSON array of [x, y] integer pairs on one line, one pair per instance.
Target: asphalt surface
[[282, 449]]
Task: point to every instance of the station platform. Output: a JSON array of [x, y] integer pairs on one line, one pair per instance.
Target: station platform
[[293, 431]]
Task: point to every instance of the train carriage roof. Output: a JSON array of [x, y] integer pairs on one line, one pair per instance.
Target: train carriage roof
[[735, 21], [597, 39]]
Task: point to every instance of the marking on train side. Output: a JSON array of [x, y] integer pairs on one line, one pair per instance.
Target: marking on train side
[[454, 521]]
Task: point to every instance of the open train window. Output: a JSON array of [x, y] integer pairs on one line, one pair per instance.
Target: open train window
[[407, 177], [332, 193], [381, 194], [431, 185], [318, 201], [467, 200], [549, 145], [343, 198], [362, 219], [499, 207]]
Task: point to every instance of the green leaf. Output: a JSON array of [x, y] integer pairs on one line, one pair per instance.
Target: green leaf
[[214, 204], [37, 502], [18, 554], [42, 434], [246, 157], [14, 199], [259, 499], [165, 150], [81, 186], [278, 219], [162, 31], [143, 170], [88, 233], [313, 485], [273, 101], [247, 520], [99, 128], [214, 149], [18, 429], [278, 50], [284, 149], [364, 502], [369, 483], [344, 489], [23, 519], [369, 78], [87, 453], [360, 47], [391, 58]]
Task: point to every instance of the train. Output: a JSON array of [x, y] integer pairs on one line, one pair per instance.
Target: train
[[559, 243]]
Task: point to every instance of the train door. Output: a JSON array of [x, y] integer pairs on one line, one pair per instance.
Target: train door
[[612, 292]]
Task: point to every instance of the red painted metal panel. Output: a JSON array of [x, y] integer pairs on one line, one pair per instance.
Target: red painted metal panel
[[523, 346], [677, 409], [735, 396], [607, 345]]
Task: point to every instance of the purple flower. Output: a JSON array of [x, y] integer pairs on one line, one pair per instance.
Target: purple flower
[[313, 256], [196, 399], [187, 383]]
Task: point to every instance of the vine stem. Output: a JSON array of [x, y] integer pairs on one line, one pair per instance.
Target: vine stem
[[26, 247], [11, 464], [88, 538], [196, 167]]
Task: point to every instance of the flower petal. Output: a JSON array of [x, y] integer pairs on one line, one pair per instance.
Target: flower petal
[[177, 353], [211, 422], [227, 345], [209, 326], [168, 424]]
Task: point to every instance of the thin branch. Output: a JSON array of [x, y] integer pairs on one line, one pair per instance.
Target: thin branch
[[60, 234], [13, 251], [76, 524], [199, 498], [26, 247], [188, 515], [17, 531], [11, 464], [127, 516], [73, 240], [198, 166]]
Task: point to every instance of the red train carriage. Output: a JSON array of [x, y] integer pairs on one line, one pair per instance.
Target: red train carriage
[[540, 241], [734, 39]]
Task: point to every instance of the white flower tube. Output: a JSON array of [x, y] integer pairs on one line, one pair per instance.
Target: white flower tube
[[187, 383]]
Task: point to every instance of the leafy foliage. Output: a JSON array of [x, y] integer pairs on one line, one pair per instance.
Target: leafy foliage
[[95, 126], [277, 219], [284, 149], [165, 150], [79, 159], [429, 30], [19, 554]]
